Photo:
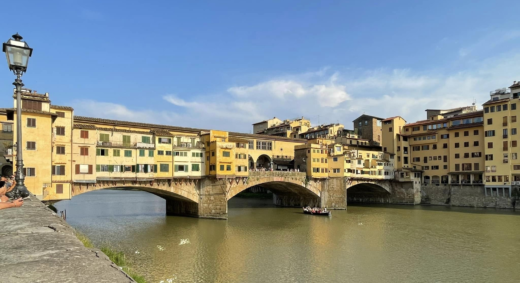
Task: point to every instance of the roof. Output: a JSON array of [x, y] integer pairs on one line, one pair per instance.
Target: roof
[[392, 118], [86, 120], [364, 115], [32, 111], [450, 110], [489, 102], [62, 107], [265, 121], [457, 117], [515, 84]]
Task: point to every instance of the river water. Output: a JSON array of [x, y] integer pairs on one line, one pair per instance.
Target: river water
[[263, 243]]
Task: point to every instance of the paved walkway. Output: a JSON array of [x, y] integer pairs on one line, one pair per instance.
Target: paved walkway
[[38, 246]]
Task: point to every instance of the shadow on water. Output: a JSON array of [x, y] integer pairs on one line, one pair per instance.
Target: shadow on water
[[439, 208]]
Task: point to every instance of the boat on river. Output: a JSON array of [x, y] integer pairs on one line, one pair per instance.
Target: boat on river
[[317, 213]]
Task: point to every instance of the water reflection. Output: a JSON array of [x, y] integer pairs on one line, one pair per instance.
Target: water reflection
[[262, 243]]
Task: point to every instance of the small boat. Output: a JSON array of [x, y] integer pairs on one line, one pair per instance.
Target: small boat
[[321, 213]]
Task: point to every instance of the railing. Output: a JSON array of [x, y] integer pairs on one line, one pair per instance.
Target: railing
[[504, 136], [189, 145], [286, 157], [126, 144], [504, 124], [144, 145]]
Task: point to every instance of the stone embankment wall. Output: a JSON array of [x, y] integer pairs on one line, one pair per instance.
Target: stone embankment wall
[[462, 195], [38, 246]]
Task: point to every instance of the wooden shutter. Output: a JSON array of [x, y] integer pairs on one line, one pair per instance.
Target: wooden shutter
[[98, 168], [155, 168], [110, 168], [59, 189], [77, 168], [98, 151], [122, 168], [90, 169], [53, 170]]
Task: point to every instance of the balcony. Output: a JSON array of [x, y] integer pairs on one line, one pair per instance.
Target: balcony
[[125, 144], [504, 136], [189, 145], [144, 145]]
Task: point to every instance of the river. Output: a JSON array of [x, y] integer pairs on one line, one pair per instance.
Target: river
[[263, 243]]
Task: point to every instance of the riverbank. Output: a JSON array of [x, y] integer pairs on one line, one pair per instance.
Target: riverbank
[[117, 257], [39, 246]]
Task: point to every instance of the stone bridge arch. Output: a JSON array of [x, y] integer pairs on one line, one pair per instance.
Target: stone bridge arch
[[181, 195]]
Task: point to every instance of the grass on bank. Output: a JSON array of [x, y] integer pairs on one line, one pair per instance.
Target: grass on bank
[[116, 257]]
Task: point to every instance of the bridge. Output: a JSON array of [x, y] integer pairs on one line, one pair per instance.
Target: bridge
[[208, 197]]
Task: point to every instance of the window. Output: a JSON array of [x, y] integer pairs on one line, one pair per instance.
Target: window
[[476, 166], [60, 114], [164, 167], [466, 166], [489, 157], [486, 109], [504, 121], [475, 143], [499, 108], [490, 121], [60, 131], [145, 139], [226, 154], [128, 153], [514, 156], [457, 145], [60, 150], [31, 146], [457, 155], [466, 155], [425, 147], [126, 140], [251, 144], [466, 133], [504, 107], [141, 152], [425, 159], [475, 132], [513, 131], [513, 106], [160, 152], [168, 152], [181, 168], [7, 128], [83, 151], [83, 134], [445, 145], [264, 145], [513, 119], [457, 167], [102, 152], [466, 144], [150, 153], [456, 134], [116, 153], [195, 167], [490, 133], [445, 136], [212, 168], [390, 129], [445, 158], [334, 159], [490, 145], [504, 145], [366, 122], [29, 172], [492, 109], [104, 137], [513, 143], [433, 147], [221, 167], [165, 140], [504, 133], [58, 170], [59, 187], [31, 122]]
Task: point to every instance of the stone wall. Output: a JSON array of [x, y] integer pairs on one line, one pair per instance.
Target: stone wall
[[462, 195], [39, 246], [213, 198]]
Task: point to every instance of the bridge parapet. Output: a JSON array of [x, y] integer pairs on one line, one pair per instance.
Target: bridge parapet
[[277, 174]]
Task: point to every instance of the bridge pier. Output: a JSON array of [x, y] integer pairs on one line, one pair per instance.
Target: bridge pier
[[213, 198], [333, 194]]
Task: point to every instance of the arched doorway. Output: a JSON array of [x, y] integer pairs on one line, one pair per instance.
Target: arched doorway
[[7, 170], [251, 163], [263, 162]]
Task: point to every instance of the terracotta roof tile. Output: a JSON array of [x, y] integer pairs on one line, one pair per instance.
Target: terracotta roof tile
[[62, 107]]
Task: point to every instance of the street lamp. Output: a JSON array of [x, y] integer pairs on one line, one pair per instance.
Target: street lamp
[[18, 53]]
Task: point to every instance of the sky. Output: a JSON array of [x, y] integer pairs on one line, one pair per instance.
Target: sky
[[227, 64]]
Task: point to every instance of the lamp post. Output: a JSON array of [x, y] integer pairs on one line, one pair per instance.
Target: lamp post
[[18, 53]]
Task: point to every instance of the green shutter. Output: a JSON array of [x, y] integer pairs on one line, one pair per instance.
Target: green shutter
[[110, 168], [98, 168], [122, 168], [98, 151], [126, 140], [141, 152], [150, 153], [155, 168], [137, 168], [176, 168], [185, 168], [133, 168]]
